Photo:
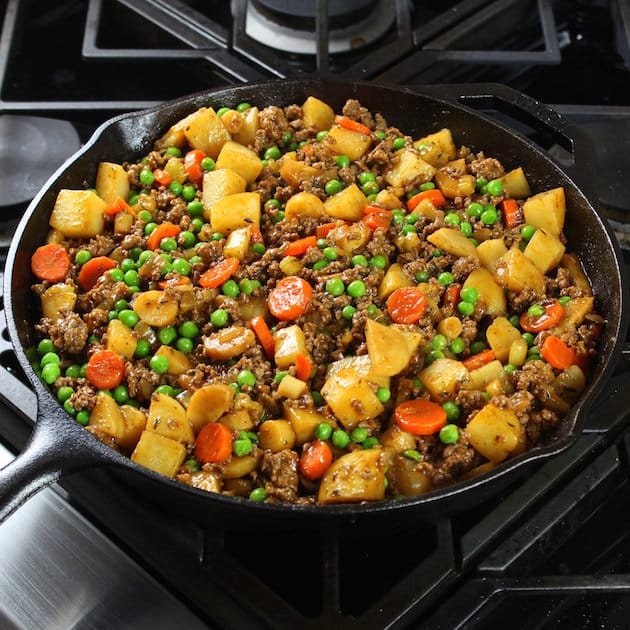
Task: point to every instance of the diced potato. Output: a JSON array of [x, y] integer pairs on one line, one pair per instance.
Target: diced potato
[[355, 476], [437, 148], [388, 200], [353, 144], [238, 420], [241, 160], [178, 362], [239, 466], [426, 209], [347, 204], [291, 265], [205, 131], [304, 204], [111, 182], [208, 404], [350, 397], [397, 440], [236, 211], [515, 272], [394, 278], [232, 120], [276, 435], [408, 168], [490, 251], [387, 347], [407, 242], [159, 453], [250, 125], [294, 171], [450, 327], [176, 169], [412, 337], [496, 433], [544, 250], [489, 291], [479, 378], [121, 339], [289, 342], [317, 114], [123, 222], [515, 184], [107, 417], [237, 243], [175, 136], [546, 210], [168, 418], [57, 298], [350, 239], [218, 184], [501, 334], [572, 264], [407, 479], [135, 423], [303, 422], [575, 310], [78, 213], [292, 388], [156, 308], [255, 306], [443, 378], [228, 343], [206, 480], [453, 242], [453, 185], [363, 366]]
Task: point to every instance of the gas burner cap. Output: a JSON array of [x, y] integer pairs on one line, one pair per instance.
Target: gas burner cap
[[31, 150], [294, 30]]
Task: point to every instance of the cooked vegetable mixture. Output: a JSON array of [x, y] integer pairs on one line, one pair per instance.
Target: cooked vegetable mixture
[[298, 305]]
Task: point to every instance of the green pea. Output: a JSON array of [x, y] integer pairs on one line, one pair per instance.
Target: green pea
[[63, 393], [408, 229], [117, 275], [176, 188], [68, 406], [181, 266], [413, 218], [158, 363], [121, 395], [131, 278], [83, 417], [489, 216], [194, 260], [73, 371], [242, 446], [133, 198], [45, 346], [446, 278], [246, 378], [453, 412], [477, 346], [372, 309], [320, 264], [366, 176], [494, 187], [146, 177], [144, 257], [359, 434], [399, 143], [126, 264], [564, 300], [112, 315], [348, 311], [145, 216], [509, 368], [323, 431], [82, 256], [235, 387], [474, 209], [174, 151], [128, 317], [83, 370], [370, 188], [457, 345], [359, 260], [527, 231], [370, 442], [412, 454], [335, 286], [258, 248], [515, 321], [466, 229], [536, 310], [380, 262], [436, 253], [330, 253], [219, 318], [481, 182], [439, 342], [356, 289], [208, 164], [466, 308], [192, 464], [272, 153], [340, 438], [433, 355], [222, 110], [246, 286], [321, 135], [217, 236], [168, 244], [167, 335], [279, 376], [258, 495], [427, 186], [48, 358], [342, 161], [449, 434], [195, 208], [188, 192], [383, 394], [333, 186], [272, 204], [196, 224], [51, 372], [381, 135], [167, 390], [451, 218], [183, 344], [469, 294], [230, 288], [149, 227], [188, 329], [422, 276]]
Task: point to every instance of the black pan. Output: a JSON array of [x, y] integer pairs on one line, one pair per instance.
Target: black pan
[[59, 445]]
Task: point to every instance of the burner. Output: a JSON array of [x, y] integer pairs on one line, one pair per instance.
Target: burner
[[291, 26]]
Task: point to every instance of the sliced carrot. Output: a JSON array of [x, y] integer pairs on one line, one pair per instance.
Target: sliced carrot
[[451, 295], [303, 366], [322, 231], [105, 369], [299, 247], [163, 230], [256, 236], [92, 270], [434, 195], [376, 217], [512, 214], [162, 177], [552, 315], [316, 460], [290, 298], [479, 360], [406, 305], [214, 443], [219, 273], [176, 281], [557, 353], [118, 204], [263, 332], [192, 165], [352, 125], [50, 262], [420, 416]]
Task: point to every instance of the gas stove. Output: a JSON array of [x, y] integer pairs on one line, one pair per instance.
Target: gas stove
[[90, 553]]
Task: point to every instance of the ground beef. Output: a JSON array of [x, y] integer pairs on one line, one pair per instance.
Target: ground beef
[[69, 333], [280, 471], [490, 168]]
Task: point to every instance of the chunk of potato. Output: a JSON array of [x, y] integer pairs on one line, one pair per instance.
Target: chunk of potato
[[178, 362], [490, 251], [121, 339], [237, 467], [350, 397], [453, 242], [575, 310], [394, 278], [228, 343], [238, 420], [159, 453], [168, 418], [443, 378], [111, 182], [276, 435], [348, 142], [237, 243], [294, 172], [387, 347], [347, 204], [515, 184], [208, 404], [515, 272], [501, 335], [241, 160], [249, 126], [236, 211], [304, 204], [482, 376], [496, 433], [545, 250], [407, 169], [455, 185], [355, 476], [156, 308], [107, 417], [450, 327], [123, 221], [304, 422], [56, 299], [363, 366], [292, 388], [289, 342], [317, 114], [407, 479], [546, 210], [176, 169], [490, 292], [437, 148], [135, 424], [218, 184], [349, 239], [78, 213], [205, 131]]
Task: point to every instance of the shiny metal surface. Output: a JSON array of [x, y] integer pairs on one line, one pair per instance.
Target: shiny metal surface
[[57, 571]]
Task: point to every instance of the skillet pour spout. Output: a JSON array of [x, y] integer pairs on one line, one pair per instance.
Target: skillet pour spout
[[59, 445]]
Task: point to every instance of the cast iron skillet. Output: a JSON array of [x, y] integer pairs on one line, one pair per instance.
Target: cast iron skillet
[[59, 445]]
